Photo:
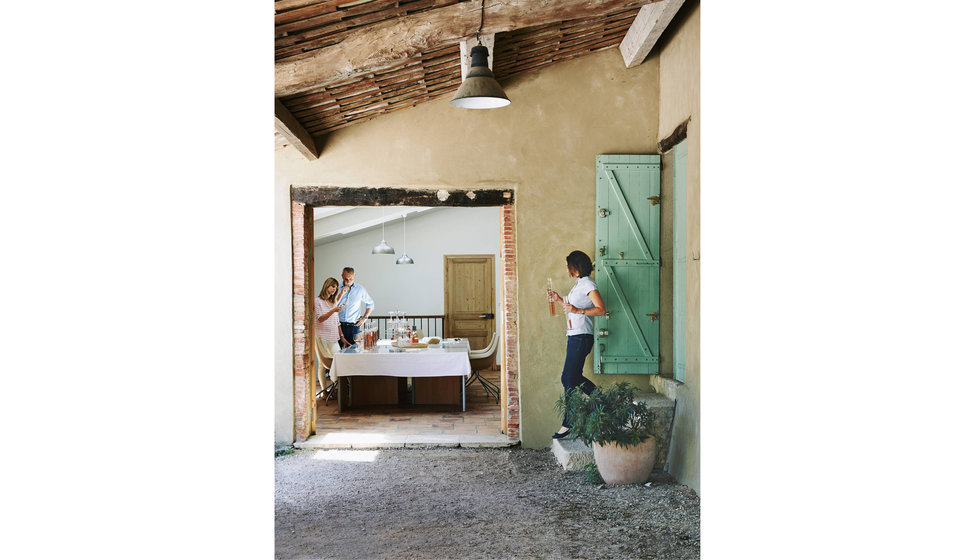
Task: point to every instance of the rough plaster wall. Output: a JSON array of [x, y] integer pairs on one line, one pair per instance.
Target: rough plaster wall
[[543, 145], [680, 98]]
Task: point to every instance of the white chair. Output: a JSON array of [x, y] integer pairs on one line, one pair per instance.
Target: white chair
[[324, 359], [485, 359]]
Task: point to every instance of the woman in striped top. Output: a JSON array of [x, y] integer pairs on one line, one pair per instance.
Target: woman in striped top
[[326, 309]]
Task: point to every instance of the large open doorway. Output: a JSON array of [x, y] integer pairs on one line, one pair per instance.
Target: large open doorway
[[304, 199]]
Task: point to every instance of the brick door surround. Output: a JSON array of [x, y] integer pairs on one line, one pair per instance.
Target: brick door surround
[[302, 201]]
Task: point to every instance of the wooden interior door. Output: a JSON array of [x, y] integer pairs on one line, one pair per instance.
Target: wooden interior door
[[470, 302]]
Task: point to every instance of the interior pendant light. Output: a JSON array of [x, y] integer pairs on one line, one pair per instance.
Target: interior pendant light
[[404, 259], [383, 248], [479, 90]]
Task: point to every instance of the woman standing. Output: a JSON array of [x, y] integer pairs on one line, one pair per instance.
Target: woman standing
[[582, 304], [327, 312]]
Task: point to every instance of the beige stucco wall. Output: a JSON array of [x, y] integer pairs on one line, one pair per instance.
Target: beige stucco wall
[[543, 145], [680, 99]]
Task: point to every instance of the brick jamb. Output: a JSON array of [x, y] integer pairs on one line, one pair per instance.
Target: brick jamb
[[304, 412], [510, 416]]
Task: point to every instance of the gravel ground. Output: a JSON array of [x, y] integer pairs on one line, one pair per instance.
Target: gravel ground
[[472, 503]]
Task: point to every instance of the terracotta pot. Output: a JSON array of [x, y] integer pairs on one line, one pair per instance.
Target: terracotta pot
[[625, 465]]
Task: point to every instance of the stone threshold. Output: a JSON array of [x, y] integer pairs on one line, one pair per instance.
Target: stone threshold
[[338, 440]]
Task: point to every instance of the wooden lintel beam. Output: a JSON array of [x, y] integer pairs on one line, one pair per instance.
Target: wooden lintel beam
[[379, 45], [647, 28], [294, 133], [396, 196], [674, 138]]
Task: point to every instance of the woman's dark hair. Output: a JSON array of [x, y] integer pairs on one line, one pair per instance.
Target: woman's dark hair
[[580, 262]]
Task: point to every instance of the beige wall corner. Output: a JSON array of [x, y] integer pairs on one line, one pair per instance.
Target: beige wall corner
[[680, 99]]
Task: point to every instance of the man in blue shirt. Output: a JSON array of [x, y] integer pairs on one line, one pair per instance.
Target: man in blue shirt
[[353, 295]]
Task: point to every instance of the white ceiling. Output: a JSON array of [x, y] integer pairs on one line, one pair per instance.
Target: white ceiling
[[331, 223]]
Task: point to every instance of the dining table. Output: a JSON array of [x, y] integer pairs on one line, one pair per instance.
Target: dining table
[[450, 357]]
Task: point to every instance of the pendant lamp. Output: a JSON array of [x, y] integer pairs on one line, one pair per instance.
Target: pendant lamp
[[479, 90], [383, 248], [404, 259]]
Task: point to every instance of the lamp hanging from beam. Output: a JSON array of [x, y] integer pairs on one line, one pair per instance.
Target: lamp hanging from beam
[[404, 259], [479, 90], [383, 248]]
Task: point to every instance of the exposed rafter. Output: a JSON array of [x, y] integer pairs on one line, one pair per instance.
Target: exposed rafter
[[647, 28], [294, 133], [401, 38]]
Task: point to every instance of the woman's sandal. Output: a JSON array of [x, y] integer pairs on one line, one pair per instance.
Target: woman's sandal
[[561, 435]]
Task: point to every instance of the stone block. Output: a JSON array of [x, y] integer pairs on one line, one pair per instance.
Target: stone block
[[663, 410], [571, 454]]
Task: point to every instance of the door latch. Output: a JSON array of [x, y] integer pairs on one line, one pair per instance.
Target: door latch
[[603, 212], [603, 333], [653, 316], [654, 200], [486, 316]]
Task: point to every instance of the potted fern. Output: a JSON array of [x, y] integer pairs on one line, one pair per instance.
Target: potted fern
[[617, 428]]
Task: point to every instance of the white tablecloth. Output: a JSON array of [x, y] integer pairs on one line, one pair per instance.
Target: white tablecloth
[[413, 362]]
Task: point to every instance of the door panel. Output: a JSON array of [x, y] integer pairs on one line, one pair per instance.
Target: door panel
[[628, 263], [470, 294]]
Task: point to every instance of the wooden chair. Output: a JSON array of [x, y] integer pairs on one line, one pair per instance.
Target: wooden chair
[[485, 359], [324, 359]]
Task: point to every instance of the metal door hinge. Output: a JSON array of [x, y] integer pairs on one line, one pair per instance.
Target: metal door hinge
[[654, 200], [603, 333], [653, 316]]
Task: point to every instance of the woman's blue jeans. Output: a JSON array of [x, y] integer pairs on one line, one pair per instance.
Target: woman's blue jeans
[[579, 346]]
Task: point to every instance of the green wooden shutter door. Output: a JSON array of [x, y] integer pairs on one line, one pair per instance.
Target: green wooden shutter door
[[680, 259], [628, 263]]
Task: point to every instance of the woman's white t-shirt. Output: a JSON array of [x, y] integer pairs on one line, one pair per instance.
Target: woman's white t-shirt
[[579, 297]]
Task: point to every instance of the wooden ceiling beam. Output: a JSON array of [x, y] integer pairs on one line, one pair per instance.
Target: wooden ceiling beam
[[294, 133], [647, 28], [378, 45]]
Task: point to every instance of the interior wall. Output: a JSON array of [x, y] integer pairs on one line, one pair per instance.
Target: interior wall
[[543, 146], [416, 289], [680, 99]]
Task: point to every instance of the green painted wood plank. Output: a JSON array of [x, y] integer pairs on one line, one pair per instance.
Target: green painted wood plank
[[630, 221], [621, 296], [680, 261]]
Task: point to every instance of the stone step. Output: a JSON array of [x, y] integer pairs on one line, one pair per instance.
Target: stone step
[[573, 455], [354, 440]]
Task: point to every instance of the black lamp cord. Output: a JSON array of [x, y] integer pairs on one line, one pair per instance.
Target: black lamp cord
[[478, 41]]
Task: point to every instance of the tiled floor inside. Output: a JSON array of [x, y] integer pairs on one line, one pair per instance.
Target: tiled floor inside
[[482, 417]]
